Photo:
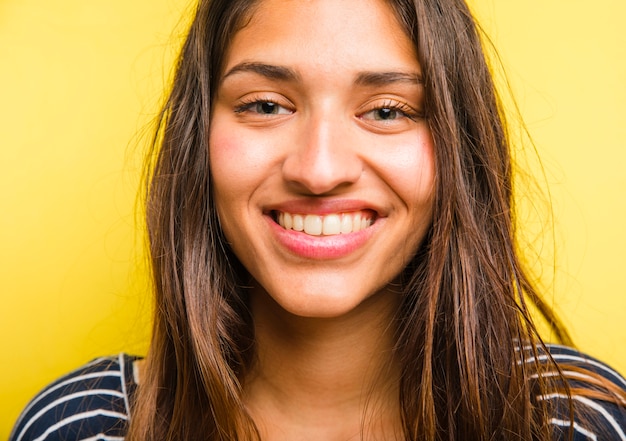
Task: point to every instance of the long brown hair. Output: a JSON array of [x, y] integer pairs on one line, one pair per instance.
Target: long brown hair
[[464, 310]]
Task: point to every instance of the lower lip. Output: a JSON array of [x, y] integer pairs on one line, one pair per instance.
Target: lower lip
[[321, 247]]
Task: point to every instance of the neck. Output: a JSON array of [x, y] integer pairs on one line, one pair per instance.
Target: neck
[[322, 378]]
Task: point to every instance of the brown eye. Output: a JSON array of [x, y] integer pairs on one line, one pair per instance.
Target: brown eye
[[389, 114], [263, 107], [267, 108], [385, 114]]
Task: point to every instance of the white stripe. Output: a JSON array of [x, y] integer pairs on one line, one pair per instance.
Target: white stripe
[[47, 392], [121, 360], [103, 437], [78, 417], [577, 428], [525, 348], [93, 362], [566, 373], [597, 407], [68, 398], [581, 359]]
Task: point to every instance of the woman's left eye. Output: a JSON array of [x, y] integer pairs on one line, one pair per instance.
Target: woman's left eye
[[385, 114], [263, 107], [389, 113]]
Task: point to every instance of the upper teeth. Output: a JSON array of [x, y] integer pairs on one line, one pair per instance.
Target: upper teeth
[[327, 225]]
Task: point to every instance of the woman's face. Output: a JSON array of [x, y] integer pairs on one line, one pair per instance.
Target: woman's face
[[322, 162]]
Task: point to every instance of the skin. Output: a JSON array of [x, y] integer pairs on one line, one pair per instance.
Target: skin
[[319, 112]]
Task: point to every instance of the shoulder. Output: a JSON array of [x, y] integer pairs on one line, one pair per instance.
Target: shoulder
[[92, 402], [598, 394]]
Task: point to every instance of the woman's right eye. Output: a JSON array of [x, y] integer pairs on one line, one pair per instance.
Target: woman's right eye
[[263, 107]]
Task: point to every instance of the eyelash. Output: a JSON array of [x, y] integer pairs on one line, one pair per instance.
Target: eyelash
[[397, 106], [248, 104]]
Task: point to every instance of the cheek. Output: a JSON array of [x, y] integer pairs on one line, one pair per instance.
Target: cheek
[[235, 162], [409, 168], [241, 166], [228, 180], [423, 178], [224, 153]]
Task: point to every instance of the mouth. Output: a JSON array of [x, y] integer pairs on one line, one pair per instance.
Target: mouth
[[331, 224]]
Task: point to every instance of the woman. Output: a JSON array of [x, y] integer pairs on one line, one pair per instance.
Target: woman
[[332, 236]]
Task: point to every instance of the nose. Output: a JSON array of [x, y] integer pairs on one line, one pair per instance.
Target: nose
[[323, 158]]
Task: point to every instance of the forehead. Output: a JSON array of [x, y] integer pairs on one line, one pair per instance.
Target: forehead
[[324, 34]]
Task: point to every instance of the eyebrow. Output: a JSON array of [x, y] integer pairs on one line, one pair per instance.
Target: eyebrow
[[384, 78], [270, 71], [283, 73]]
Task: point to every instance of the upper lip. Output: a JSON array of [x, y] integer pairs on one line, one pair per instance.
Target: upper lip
[[323, 207]]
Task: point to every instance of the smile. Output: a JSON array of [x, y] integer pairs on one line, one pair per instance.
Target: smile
[[327, 225]]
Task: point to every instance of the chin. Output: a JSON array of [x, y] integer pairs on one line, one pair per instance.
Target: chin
[[326, 304]]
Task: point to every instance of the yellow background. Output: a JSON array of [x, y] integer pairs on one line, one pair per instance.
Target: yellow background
[[80, 80]]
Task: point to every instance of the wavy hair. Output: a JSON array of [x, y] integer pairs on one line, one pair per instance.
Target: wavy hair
[[464, 311]]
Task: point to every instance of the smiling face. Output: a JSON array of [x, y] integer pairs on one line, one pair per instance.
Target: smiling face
[[322, 162]]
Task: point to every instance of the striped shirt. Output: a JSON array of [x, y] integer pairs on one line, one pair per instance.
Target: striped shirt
[[603, 420], [92, 402]]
